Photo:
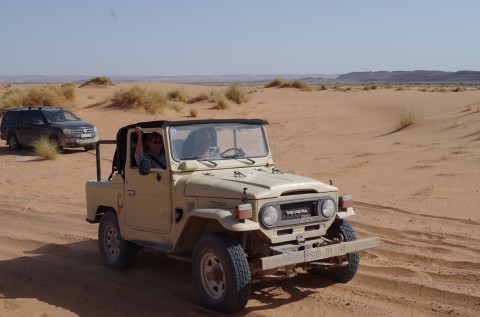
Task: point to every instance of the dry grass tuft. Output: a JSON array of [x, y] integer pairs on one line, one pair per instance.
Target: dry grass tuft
[[193, 113], [45, 148], [140, 98], [68, 90], [177, 95], [203, 97], [277, 82], [98, 81], [48, 95], [236, 94], [222, 104], [407, 118]]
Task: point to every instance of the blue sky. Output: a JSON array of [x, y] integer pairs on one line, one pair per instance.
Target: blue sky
[[214, 37]]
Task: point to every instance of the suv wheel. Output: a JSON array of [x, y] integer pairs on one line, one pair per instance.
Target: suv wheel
[[341, 230], [13, 143], [221, 273], [116, 253], [89, 147]]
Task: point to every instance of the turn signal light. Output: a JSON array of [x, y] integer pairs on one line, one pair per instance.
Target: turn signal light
[[243, 211], [345, 201]]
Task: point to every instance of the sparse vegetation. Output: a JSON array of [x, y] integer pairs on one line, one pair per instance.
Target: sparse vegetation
[[408, 118], [46, 149], [48, 95], [177, 95], [277, 82], [222, 104], [193, 113], [203, 97], [140, 98], [68, 90], [98, 81], [236, 94]]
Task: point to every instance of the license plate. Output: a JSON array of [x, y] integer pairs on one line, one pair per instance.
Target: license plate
[[85, 135], [324, 252]]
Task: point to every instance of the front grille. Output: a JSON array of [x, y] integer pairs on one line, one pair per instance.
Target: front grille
[[298, 210], [83, 130]]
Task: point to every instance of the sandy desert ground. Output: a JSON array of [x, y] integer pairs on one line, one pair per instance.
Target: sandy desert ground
[[417, 189]]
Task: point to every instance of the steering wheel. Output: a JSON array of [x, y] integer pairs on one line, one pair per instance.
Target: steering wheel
[[238, 151]]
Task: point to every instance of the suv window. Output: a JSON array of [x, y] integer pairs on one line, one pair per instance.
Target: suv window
[[27, 118], [11, 116]]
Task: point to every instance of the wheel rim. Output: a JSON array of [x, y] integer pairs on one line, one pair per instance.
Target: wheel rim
[[212, 275], [13, 142], [112, 242]]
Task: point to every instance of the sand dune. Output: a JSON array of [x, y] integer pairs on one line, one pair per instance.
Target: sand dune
[[416, 188]]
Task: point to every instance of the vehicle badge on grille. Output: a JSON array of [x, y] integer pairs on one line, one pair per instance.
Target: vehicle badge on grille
[[85, 130]]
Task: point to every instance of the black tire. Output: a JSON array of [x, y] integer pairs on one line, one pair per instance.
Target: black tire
[[221, 273], [89, 147], [56, 140], [116, 253], [342, 230], [13, 143]]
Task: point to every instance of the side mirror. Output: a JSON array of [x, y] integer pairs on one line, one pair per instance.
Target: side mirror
[[144, 167]]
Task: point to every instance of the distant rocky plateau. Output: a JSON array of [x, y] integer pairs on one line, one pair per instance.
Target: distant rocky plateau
[[390, 77]]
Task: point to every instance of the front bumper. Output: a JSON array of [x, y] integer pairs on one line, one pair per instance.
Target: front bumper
[[72, 142], [319, 253]]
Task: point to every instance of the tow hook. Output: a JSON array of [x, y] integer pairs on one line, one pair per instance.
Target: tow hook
[[300, 240]]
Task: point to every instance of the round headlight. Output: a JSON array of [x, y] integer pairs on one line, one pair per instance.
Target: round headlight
[[270, 216], [328, 208]]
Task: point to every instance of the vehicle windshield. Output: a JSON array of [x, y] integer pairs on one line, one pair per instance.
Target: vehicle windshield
[[218, 142], [60, 116]]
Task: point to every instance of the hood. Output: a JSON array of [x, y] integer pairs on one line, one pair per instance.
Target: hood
[[259, 184], [72, 124]]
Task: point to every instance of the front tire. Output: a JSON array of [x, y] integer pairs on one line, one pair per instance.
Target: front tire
[[221, 273], [116, 253], [342, 231]]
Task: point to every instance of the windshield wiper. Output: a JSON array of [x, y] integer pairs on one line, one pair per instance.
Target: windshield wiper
[[237, 156], [200, 158]]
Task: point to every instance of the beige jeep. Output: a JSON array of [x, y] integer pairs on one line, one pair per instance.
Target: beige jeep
[[221, 204]]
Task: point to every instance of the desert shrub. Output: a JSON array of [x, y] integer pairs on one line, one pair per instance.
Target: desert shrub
[[68, 90], [177, 95], [140, 98], [222, 104], [459, 89], [98, 81], [322, 87], [408, 118], [277, 82], [48, 95], [177, 108], [236, 94], [45, 148], [200, 98], [193, 113]]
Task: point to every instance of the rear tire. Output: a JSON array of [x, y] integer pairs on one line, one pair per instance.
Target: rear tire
[[13, 143], [116, 253], [342, 230], [221, 273]]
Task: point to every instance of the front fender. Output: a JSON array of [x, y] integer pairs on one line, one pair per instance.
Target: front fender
[[347, 213], [224, 218]]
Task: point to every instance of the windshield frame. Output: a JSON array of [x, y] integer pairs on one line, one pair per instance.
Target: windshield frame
[[228, 141]]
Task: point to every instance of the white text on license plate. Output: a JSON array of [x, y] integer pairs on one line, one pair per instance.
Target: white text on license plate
[[86, 135]]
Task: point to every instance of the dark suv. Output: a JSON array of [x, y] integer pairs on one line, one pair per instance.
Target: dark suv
[[22, 126]]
